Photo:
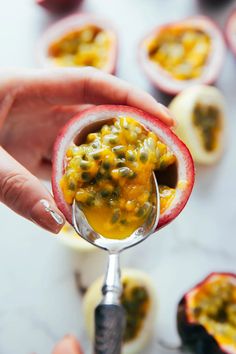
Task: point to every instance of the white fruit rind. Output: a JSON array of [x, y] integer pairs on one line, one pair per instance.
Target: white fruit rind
[[182, 107], [93, 297], [70, 238]]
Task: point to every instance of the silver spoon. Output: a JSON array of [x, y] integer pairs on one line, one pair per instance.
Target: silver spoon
[[109, 314]]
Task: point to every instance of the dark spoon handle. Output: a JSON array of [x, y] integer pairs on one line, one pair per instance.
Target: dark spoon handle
[[109, 329]]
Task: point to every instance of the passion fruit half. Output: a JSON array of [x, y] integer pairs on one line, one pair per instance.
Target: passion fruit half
[[200, 122], [139, 301], [175, 179], [59, 6], [230, 31], [79, 40], [184, 53], [207, 315]]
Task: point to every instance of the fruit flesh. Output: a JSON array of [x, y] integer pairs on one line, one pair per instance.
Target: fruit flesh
[[110, 176], [206, 119], [136, 303], [182, 52], [213, 305], [88, 46]]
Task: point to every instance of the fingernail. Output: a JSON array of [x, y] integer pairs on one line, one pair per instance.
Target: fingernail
[[44, 215]]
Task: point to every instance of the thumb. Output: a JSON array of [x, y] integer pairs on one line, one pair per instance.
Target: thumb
[[68, 345], [23, 193]]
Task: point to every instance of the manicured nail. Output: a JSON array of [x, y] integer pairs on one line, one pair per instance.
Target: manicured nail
[[44, 215]]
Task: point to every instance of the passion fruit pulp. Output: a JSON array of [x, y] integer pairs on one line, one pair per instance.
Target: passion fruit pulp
[[207, 317], [178, 176], [139, 301], [180, 54], [79, 40], [200, 122]]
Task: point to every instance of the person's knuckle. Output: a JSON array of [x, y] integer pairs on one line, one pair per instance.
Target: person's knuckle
[[12, 187]]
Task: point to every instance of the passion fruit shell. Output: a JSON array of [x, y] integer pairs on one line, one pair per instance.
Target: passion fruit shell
[[230, 31], [59, 6], [164, 80], [132, 278], [73, 23], [205, 147], [194, 335], [179, 176]]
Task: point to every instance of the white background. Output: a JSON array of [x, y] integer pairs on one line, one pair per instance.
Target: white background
[[39, 301]]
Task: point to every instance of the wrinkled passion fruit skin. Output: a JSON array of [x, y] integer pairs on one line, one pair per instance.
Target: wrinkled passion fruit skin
[[195, 336], [59, 6]]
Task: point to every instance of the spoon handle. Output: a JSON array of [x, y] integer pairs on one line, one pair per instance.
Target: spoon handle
[[110, 322], [110, 315]]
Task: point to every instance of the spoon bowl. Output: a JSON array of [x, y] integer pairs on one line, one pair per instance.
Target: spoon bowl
[[85, 230]]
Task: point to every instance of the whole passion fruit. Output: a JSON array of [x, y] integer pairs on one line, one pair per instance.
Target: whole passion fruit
[[230, 31], [59, 6], [139, 301], [79, 40], [207, 315], [108, 169], [180, 54], [200, 118]]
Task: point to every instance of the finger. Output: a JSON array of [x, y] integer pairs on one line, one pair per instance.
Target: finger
[[23, 193], [68, 345], [62, 86]]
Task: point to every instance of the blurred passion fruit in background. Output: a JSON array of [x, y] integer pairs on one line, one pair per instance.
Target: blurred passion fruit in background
[[206, 316], [182, 54], [139, 301], [59, 6], [79, 40], [230, 31], [199, 112]]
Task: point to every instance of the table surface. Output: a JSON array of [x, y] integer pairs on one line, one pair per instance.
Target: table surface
[[39, 299]]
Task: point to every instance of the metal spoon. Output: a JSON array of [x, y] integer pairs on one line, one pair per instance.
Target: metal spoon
[[109, 314]]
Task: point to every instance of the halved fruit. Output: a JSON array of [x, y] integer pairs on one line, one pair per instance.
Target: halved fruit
[[200, 118], [207, 315], [180, 54], [139, 301], [175, 179], [79, 40], [230, 31], [59, 5]]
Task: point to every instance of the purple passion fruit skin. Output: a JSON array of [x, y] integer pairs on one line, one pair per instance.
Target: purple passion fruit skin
[[206, 316], [59, 6]]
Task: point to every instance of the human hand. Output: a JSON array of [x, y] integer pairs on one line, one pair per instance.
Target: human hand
[[34, 105], [68, 345]]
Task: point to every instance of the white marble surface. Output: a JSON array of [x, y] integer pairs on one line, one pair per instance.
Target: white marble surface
[[39, 301]]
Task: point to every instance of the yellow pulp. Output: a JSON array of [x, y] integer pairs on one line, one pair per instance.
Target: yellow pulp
[[182, 52], [110, 176], [207, 120], [213, 305], [88, 46], [136, 303]]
